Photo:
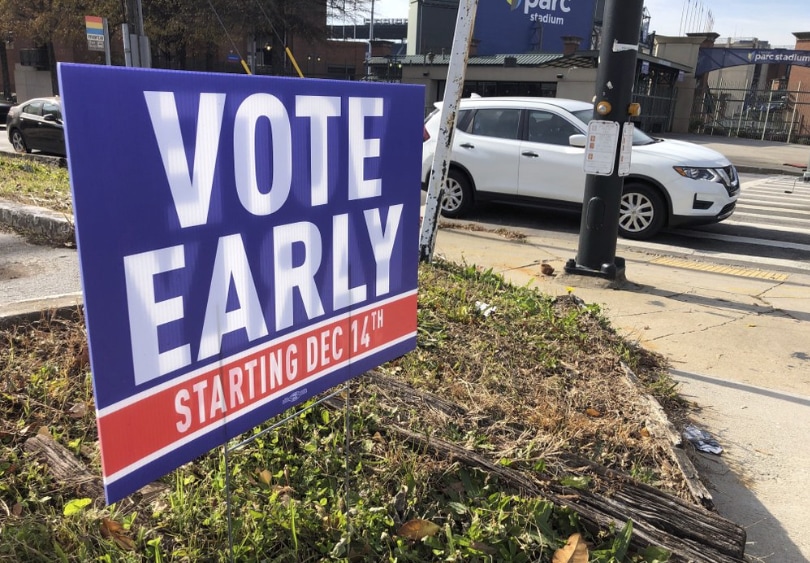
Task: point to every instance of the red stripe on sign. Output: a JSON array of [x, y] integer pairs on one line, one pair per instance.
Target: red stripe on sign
[[93, 22], [171, 415]]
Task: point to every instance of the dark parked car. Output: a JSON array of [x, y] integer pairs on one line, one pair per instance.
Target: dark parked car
[[5, 105], [37, 125]]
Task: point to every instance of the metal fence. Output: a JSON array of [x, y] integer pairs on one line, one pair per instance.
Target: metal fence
[[655, 90], [769, 115]]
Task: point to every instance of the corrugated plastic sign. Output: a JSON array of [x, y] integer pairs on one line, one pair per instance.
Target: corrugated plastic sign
[[245, 243]]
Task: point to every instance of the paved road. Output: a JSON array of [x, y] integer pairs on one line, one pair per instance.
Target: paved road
[[770, 228], [5, 146], [29, 271]]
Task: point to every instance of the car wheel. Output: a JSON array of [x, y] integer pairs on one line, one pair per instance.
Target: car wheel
[[18, 142], [641, 212], [457, 197]]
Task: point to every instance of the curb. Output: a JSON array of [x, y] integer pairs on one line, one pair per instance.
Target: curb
[[56, 227], [59, 161], [768, 171], [59, 306]]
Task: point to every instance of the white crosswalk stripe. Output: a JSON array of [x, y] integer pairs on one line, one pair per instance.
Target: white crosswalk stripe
[[770, 227], [780, 202]]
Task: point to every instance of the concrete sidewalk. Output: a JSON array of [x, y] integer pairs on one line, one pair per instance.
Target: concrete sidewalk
[[739, 342]]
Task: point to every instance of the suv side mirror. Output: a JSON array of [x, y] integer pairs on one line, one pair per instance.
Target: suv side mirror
[[577, 140]]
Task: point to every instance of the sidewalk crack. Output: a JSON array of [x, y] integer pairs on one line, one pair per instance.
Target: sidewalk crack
[[698, 330]]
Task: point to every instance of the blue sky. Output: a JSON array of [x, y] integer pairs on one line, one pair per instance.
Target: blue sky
[[772, 21]]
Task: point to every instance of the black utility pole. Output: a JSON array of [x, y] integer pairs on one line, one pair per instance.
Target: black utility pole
[[4, 67], [596, 255]]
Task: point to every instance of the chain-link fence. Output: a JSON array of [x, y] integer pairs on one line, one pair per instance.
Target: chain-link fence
[[769, 115]]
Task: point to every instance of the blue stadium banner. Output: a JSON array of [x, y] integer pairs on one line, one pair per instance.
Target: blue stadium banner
[[714, 58], [525, 26], [245, 243]]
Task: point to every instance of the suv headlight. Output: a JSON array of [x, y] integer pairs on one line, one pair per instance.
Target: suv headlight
[[711, 174]]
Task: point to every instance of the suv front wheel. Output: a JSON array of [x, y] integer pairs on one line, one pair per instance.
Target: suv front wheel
[[457, 199], [641, 212]]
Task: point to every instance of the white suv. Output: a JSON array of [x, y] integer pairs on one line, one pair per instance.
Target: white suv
[[531, 150]]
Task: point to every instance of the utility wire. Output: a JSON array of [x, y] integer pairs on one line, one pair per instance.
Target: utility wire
[[280, 40], [235, 48]]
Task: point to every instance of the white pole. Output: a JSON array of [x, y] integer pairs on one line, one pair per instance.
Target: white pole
[[717, 104], [106, 42], [456, 69], [793, 114], [806, 176], [370, 38], [739, 120], [767, 114], [127, 44]]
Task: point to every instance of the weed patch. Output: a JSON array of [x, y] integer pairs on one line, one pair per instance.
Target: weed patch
[[32, 182], [521, 383]]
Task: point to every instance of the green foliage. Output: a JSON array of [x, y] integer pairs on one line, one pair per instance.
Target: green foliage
[[35, 183], [176, 29], [300, 492], [47, 20]]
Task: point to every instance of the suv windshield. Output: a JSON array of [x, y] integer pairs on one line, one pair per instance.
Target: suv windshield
[[639, 136]]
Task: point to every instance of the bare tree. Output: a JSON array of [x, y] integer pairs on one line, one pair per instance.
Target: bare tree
[[177, 29], [45, 21]]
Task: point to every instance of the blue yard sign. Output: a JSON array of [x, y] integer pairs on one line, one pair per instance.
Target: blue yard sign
[[245, 243]]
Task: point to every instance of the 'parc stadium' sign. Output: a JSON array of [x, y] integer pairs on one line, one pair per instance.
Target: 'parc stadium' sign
[[244, 242]]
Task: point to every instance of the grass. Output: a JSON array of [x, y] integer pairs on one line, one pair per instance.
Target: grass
[[522, 379], [523, 385], [35, 182]]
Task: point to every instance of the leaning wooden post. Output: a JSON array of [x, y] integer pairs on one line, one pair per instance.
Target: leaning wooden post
[[454, 86]]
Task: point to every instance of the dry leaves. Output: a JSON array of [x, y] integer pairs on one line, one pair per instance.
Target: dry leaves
[[574, 551], [265, 477], [111, 529], [417, 529]]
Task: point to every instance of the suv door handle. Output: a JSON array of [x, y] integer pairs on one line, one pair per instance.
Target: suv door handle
[[531, 154], [467, 146]]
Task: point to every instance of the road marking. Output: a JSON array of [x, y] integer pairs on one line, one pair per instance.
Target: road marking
[[778, 203], [785, 190], [719, 268], [777, 192], [765, 227], [777, 208], [680, 250], [747, 387], [780, 218]]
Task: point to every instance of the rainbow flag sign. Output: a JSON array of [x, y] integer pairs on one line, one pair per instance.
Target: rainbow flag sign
[[94, 26]]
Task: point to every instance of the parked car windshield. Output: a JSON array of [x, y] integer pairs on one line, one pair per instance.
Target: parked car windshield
[[639, 136]]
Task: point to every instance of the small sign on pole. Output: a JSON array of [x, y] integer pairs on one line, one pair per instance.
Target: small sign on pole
[[626, 148], [600, 147], [94, 26]]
